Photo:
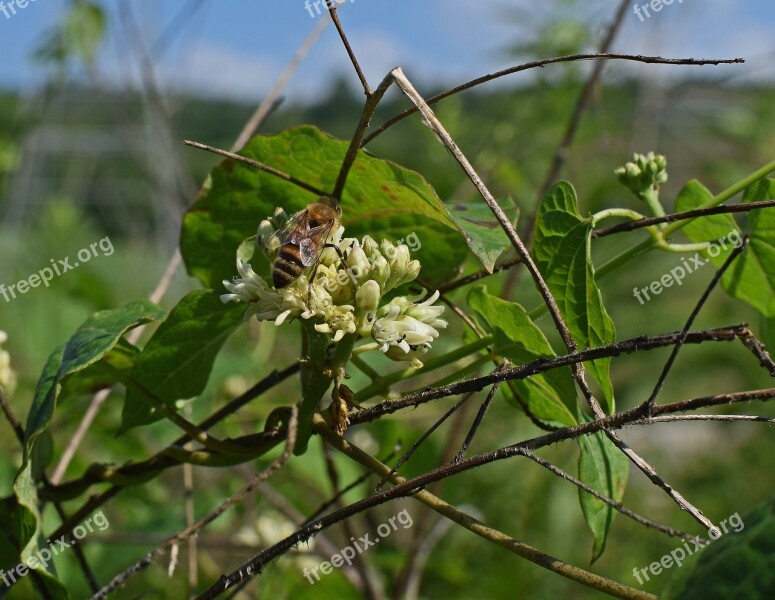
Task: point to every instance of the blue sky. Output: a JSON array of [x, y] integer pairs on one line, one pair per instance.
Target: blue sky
[[237, 48]]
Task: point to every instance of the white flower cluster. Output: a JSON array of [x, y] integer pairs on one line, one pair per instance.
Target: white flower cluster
[[346, 296], [7, 375]]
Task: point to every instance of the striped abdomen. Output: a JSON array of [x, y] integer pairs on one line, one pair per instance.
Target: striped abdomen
[[287, 266]]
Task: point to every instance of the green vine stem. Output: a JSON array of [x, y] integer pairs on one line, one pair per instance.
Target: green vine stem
[[323, 362], [381, 385], [649, 244]]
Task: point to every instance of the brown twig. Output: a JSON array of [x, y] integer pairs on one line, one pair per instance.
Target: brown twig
[[210, 517], [637, 344], [481, 274], [618, 506], [408, 454], [542, 63], [350, 53], [257, 165], [682, 216], [696, 311]]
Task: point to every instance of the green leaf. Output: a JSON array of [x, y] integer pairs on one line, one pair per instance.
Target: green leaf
[[381, 199], [176, 362], [94, 378], [487, 237], [604, 468], [25, 525], [752, 276], [739, 564], [550, 396], [91, 342], [562, 253]]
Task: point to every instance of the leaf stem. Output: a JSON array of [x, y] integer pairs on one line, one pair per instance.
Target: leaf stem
[[382, 384]]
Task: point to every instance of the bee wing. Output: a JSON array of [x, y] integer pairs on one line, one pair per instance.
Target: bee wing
[[290, 231], [309, 251], [313, 243]]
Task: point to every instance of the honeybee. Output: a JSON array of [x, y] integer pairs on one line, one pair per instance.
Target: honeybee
[[302, 240]]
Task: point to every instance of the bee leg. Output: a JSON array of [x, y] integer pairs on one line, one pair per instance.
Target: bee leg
[[338, 251]]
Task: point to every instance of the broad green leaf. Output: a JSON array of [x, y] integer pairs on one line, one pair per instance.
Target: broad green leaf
[[604, 468], [176, 361], [550, 396], [563, 255], [739, 564], [752, 276], [486, 234], [95, 338], [381, 199], [702, 229], [94, 378]]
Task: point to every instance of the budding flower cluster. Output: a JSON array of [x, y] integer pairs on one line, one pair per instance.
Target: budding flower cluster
[[7, 375], [644, 174], [346, 296]]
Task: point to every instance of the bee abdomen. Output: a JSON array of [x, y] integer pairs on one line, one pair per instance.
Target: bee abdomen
[[287, 267]]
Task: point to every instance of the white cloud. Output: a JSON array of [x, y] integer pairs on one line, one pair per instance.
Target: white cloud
[[221, 72]]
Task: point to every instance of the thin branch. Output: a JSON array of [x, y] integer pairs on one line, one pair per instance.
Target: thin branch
[[160, 461], [477, 420], [257, 165], [369, 107], [481, 274], [605, 499], [350, 53], [330, 502], [637, 344], [758, 350], [12, 420], [408, 454], [324, 547], [276, 464], [405, 487], [682, 216], [541, 63], [80, 433], [677, 418], [443, 136], [372, 587], [696, 311]]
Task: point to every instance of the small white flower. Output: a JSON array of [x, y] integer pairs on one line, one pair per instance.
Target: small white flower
[[345, 296], [406, 329]]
